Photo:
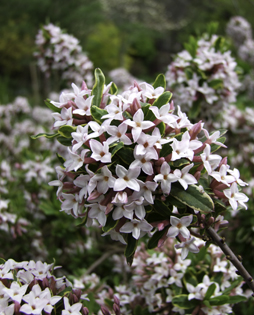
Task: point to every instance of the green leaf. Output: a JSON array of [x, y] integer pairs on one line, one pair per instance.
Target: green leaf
[[161, 208], [48, 208], [60, 158], [210, 291], [216, 84], [191, 46], [64, 141], [130, 249], [153, 241], [162, 127], [46, 135], [51, 106], [182, 301], [126, 155], [98, 87], [113, 89], [189, 73], [66, 291], [193, 197], [166, 150], [233, 285], [163, 99], [219, 300], [233, 299], [194, 110], [160, 81], [148, 114], [116, 147], [65, 131], [215, 147], [97, 113], [179, 163], [110, 224]]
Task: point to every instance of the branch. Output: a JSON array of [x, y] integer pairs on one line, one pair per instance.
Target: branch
[[228, 252]]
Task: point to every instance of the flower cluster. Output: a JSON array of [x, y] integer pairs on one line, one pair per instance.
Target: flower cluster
[[60, 51], [203, 78], [164, 283], [239, 30], [134, 164]]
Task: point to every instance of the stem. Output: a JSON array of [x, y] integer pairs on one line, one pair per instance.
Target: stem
[[228, 252]]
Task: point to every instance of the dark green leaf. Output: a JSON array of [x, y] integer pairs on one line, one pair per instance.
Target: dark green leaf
[[161, 208], [215, 147], [233, 299], [216, 84], [52, 107], [160, 81], [182, 301], [233, 285], [98, 87], [166, 150], [46, 135], [179, 163], [113, 89], [193, 197], [65, 131], [110, 224], [148, 114], [210, 291], [162, 128], [130, 249], [153, 241], [64, 141], [126, 155], [97, 113], [116, 147], [163, 99], [219, 300], [194, 110]]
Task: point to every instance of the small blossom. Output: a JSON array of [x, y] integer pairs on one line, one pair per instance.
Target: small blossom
[[180, 226]]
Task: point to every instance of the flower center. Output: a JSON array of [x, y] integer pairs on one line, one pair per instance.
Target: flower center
[[179, 225], [102, 154], [126, 178]]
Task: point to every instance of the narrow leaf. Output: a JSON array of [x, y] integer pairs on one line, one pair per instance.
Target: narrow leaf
[[193, 197], [97, 113], [182, 301], [163, 99], [110, 224], [160, 81], [153, 241], [219, 300], [51, 106], [46, 135], [210, 291], [98, 87], [65, 131]]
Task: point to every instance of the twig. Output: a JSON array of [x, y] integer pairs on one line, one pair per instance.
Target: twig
[[101, 259], [228, 252]]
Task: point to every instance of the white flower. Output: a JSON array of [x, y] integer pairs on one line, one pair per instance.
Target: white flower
[[138, 124], [97, 211], [118, 134], [74, 309], [126, 178], [184, 148], [175, 278], [222, 176], [103, 180], [235, 197], [184, 177], [16, 292], [84, 105], [211, 161], [180, 226], [100, 152], [136, 227], [187, 247], [165, 178]]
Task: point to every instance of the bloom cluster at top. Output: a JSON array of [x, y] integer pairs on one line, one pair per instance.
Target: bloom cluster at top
[[60, 51], [204, 78], [131, 157]]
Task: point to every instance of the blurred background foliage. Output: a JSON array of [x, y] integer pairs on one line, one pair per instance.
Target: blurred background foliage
[[140, 35]]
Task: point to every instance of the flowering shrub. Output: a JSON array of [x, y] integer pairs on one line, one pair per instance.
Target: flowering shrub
[[60, 51], [203, 77], [30, 287], [138, 168], [164, 283]]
